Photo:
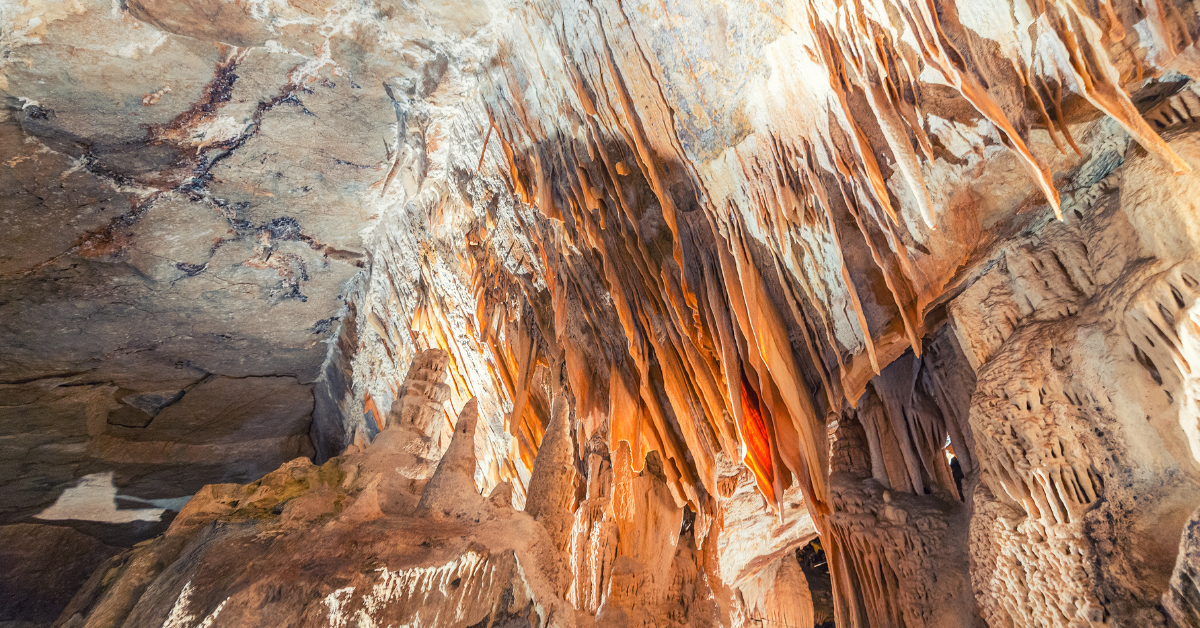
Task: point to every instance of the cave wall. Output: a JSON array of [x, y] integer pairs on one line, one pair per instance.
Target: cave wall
[[1085, 440]]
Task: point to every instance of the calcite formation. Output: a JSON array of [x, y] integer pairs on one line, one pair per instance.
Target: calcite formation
[[599, 312]]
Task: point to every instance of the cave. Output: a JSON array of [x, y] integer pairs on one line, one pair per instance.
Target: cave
[[575, 313]]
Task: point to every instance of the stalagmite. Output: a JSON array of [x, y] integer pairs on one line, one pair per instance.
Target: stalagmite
[[407, 452], [552, 483], [419, 403], [452, 492]]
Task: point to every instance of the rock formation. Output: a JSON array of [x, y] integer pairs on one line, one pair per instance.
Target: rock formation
[[551, 496], [599, 313]]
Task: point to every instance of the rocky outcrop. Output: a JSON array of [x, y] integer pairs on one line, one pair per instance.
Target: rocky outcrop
[[450, 559]]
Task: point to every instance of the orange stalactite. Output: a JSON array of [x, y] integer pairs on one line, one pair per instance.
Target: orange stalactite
[[756, 435]]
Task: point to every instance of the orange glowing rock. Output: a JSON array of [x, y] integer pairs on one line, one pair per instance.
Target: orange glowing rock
[[757, 437]]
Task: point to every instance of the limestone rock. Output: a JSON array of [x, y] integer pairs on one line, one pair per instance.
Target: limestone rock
[[780, 595], [406, 454], [420, 399], [552, 484], [451, 492], [345, 559]]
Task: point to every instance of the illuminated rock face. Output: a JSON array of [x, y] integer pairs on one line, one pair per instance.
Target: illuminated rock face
[[476, 312]]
